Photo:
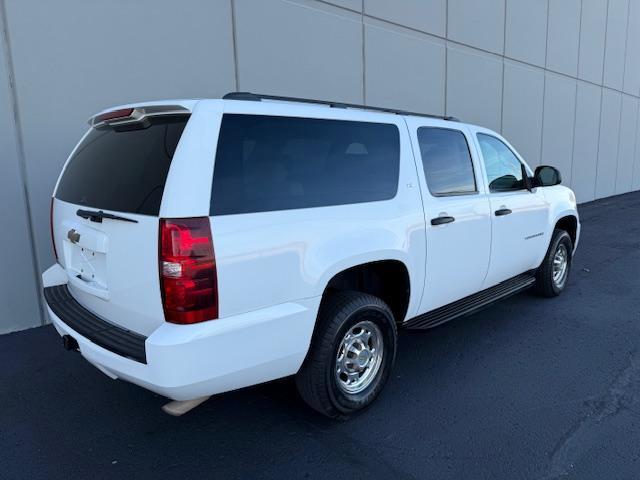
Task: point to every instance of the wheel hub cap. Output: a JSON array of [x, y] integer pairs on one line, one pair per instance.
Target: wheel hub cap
[[359, 357], [560, 264]]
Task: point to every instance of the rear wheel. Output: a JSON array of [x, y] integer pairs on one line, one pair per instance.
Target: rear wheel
[[351, 356], [552, 275]]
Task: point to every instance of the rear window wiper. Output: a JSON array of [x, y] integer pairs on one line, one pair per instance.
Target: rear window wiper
[[99, 215]]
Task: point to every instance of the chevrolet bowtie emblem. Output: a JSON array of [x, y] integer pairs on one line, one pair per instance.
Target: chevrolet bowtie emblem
[[73, 236]]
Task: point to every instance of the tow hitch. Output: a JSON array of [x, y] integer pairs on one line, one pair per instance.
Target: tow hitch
[[70, 343]]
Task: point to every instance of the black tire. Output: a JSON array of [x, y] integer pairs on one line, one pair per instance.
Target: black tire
[[316, 380], [545, 283]]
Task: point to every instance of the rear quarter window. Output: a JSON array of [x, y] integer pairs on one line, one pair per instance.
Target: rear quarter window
[[266, 163], [123, 170], [448, 168]]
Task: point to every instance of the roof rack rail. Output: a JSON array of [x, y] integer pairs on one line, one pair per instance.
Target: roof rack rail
[[257, 97]]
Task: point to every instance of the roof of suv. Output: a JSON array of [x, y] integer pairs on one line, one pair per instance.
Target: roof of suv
[[189, 104], [256, 97]]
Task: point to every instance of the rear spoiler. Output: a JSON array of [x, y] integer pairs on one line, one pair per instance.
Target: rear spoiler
[[135, 115]]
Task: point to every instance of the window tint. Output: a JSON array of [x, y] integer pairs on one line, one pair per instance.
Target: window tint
[[504, 170], [277, 163], [446, 161], [122, 170]]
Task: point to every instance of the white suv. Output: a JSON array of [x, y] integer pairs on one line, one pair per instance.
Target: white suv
[[208, 245]]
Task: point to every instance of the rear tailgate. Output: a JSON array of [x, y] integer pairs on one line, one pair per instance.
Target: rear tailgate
[[105, 218]]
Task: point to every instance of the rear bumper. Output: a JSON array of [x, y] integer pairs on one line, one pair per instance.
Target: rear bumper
[[190, 361], [76, 317]]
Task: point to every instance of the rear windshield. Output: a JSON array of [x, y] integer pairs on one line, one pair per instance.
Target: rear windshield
[[266, 163], [123, 170]]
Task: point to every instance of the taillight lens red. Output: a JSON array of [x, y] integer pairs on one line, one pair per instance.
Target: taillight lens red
[[188, 279], [53, 240]]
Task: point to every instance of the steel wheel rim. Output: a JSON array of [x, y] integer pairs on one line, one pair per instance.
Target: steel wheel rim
[[560, 265], [359, 357]]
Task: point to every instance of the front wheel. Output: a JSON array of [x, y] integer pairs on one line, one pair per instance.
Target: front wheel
[[351, 356], [552, 275]]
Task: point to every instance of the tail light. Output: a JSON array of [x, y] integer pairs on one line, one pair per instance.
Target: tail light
[[188, 279], [114, 115], [53, 239]]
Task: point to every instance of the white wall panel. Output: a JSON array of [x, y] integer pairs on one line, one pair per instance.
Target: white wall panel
[[350, 4], [593, 28], [608, 145], [559, 115], [526, 31], [522, 114], [19, 294], [478, 24], [75, 58], [393, 82], [614, 55], [563, 36], [299, 49], [425, 15], [474, 87], [627, 146], [585, 148]]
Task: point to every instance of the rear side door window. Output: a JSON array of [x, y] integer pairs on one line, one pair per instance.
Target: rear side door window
[[448, 168], [267, 163], [504, 170]]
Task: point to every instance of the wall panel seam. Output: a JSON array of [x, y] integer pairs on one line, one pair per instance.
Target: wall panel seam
[[604, 55], [575, 98], [504, 51], [636, 134], [573, 140], [546, 38], [595, 177], [544, 85], [342, 7], [580, 38], [234, 34], [615, 176], [22, 166], [624, 73], [364, 58], [446, 55]]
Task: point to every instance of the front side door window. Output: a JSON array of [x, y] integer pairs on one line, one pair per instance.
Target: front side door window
[[504, 170]]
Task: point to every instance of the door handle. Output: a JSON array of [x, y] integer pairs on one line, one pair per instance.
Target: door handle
[[442, 220], [502, 212]]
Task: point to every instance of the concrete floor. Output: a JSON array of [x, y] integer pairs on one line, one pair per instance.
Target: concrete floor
[[529, 388]]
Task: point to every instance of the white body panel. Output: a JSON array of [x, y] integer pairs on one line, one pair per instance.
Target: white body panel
[[520, 239], [517, 238], [187, 193], [273, 267], [562, 203], [271, 257], [112, 269], [191, 361]]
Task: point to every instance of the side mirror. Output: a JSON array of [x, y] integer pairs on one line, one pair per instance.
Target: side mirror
[[546, 176]]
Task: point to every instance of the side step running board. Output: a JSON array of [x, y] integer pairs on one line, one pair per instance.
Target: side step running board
[[472, 303]]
